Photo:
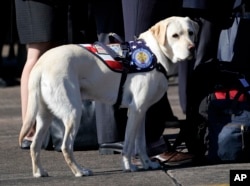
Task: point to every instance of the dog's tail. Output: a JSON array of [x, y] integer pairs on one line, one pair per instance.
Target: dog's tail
[[33, 103]]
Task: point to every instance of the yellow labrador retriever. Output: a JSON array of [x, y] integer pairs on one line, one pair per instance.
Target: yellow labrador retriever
[[66, 75]]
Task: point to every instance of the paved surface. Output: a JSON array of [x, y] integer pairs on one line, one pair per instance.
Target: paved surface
[[15, 164]]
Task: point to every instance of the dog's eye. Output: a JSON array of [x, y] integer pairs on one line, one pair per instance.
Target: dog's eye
[[191, 33], [175, 35]]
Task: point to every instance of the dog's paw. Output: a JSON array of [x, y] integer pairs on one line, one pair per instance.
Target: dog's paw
[[154, 165], [84, 172], [148, 164], [41, 173], [128, 166]]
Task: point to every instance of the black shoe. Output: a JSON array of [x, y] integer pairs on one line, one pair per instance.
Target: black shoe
[[111, 148], [26, 144]]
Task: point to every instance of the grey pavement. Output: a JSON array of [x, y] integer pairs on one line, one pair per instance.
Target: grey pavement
[[15, 164]]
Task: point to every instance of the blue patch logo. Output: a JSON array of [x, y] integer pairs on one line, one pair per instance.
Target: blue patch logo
[[142, 58]]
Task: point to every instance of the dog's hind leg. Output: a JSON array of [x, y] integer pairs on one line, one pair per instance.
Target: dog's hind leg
[[71, 122], [43, 121]]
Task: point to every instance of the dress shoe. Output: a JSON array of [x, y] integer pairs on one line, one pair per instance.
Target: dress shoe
[[174, 158], [26, 144], [157, 147], [111, 148]]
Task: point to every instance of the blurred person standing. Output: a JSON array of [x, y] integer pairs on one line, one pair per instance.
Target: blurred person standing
[[213, 16], [41, 26], [138, 17], [44, 24]]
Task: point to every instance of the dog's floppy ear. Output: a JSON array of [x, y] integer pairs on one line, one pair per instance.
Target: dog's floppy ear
[[159, 31]]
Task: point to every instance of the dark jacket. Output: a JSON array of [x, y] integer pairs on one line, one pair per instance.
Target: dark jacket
[[217, 10]]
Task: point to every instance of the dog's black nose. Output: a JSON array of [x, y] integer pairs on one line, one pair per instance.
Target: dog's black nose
[[191, 48]]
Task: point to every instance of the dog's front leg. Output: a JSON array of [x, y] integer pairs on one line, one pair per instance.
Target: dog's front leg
[[135, 142], [134, 117], [142, 148]]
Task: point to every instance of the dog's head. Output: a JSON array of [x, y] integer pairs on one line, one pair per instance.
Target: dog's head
[[176, 37]]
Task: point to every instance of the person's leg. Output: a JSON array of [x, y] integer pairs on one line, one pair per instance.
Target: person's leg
[[208, 43], [108, 20], [110, 134], [107, 129], [34, 51], [206, 51], [40, 26], [137, 17], [140, 15]]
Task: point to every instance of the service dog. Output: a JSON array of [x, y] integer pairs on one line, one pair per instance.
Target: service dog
[[68, 74]]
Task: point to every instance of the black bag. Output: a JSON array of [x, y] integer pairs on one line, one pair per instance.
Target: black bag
[[224, 130], [86, 138]]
